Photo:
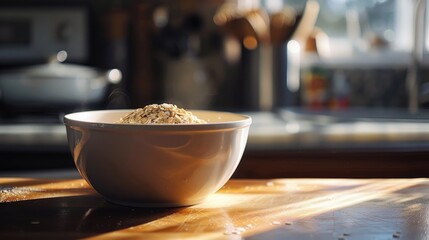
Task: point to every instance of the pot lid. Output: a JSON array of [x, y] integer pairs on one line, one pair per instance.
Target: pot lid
[[58, 70], [55, 68]]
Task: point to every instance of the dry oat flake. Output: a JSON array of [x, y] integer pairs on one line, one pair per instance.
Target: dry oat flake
[[160, 114]]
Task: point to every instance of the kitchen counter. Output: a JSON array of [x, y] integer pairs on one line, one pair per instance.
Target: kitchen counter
[[342, 209], [32, 136], [286, 129], [353, 143], [359, 143], [357, 129]]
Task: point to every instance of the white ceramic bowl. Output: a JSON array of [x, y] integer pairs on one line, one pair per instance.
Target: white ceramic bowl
[[156, 165]]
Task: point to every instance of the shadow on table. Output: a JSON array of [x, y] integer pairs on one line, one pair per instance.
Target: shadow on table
[[71, 217]]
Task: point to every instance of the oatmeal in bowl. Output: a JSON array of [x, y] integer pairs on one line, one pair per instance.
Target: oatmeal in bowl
[[160, 114], [156, 156]]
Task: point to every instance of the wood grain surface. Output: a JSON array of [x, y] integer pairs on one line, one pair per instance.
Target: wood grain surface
[[242, 209]]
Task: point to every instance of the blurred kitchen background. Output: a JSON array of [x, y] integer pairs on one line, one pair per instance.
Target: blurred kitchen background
[[336, 88]]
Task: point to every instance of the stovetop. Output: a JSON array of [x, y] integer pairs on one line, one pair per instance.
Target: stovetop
[[31, 118], [41, 132]]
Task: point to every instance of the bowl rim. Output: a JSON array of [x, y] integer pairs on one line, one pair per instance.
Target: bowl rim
[[71, 121]]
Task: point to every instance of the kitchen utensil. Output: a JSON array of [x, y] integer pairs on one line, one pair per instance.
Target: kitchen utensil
[[258, 20], [282, 25], [241, 24], [307, 22]]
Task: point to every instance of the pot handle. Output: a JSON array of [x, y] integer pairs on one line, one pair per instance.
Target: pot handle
[[60, 57], [114, 76]]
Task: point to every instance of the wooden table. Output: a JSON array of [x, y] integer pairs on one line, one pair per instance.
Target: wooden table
[[251, 209]]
